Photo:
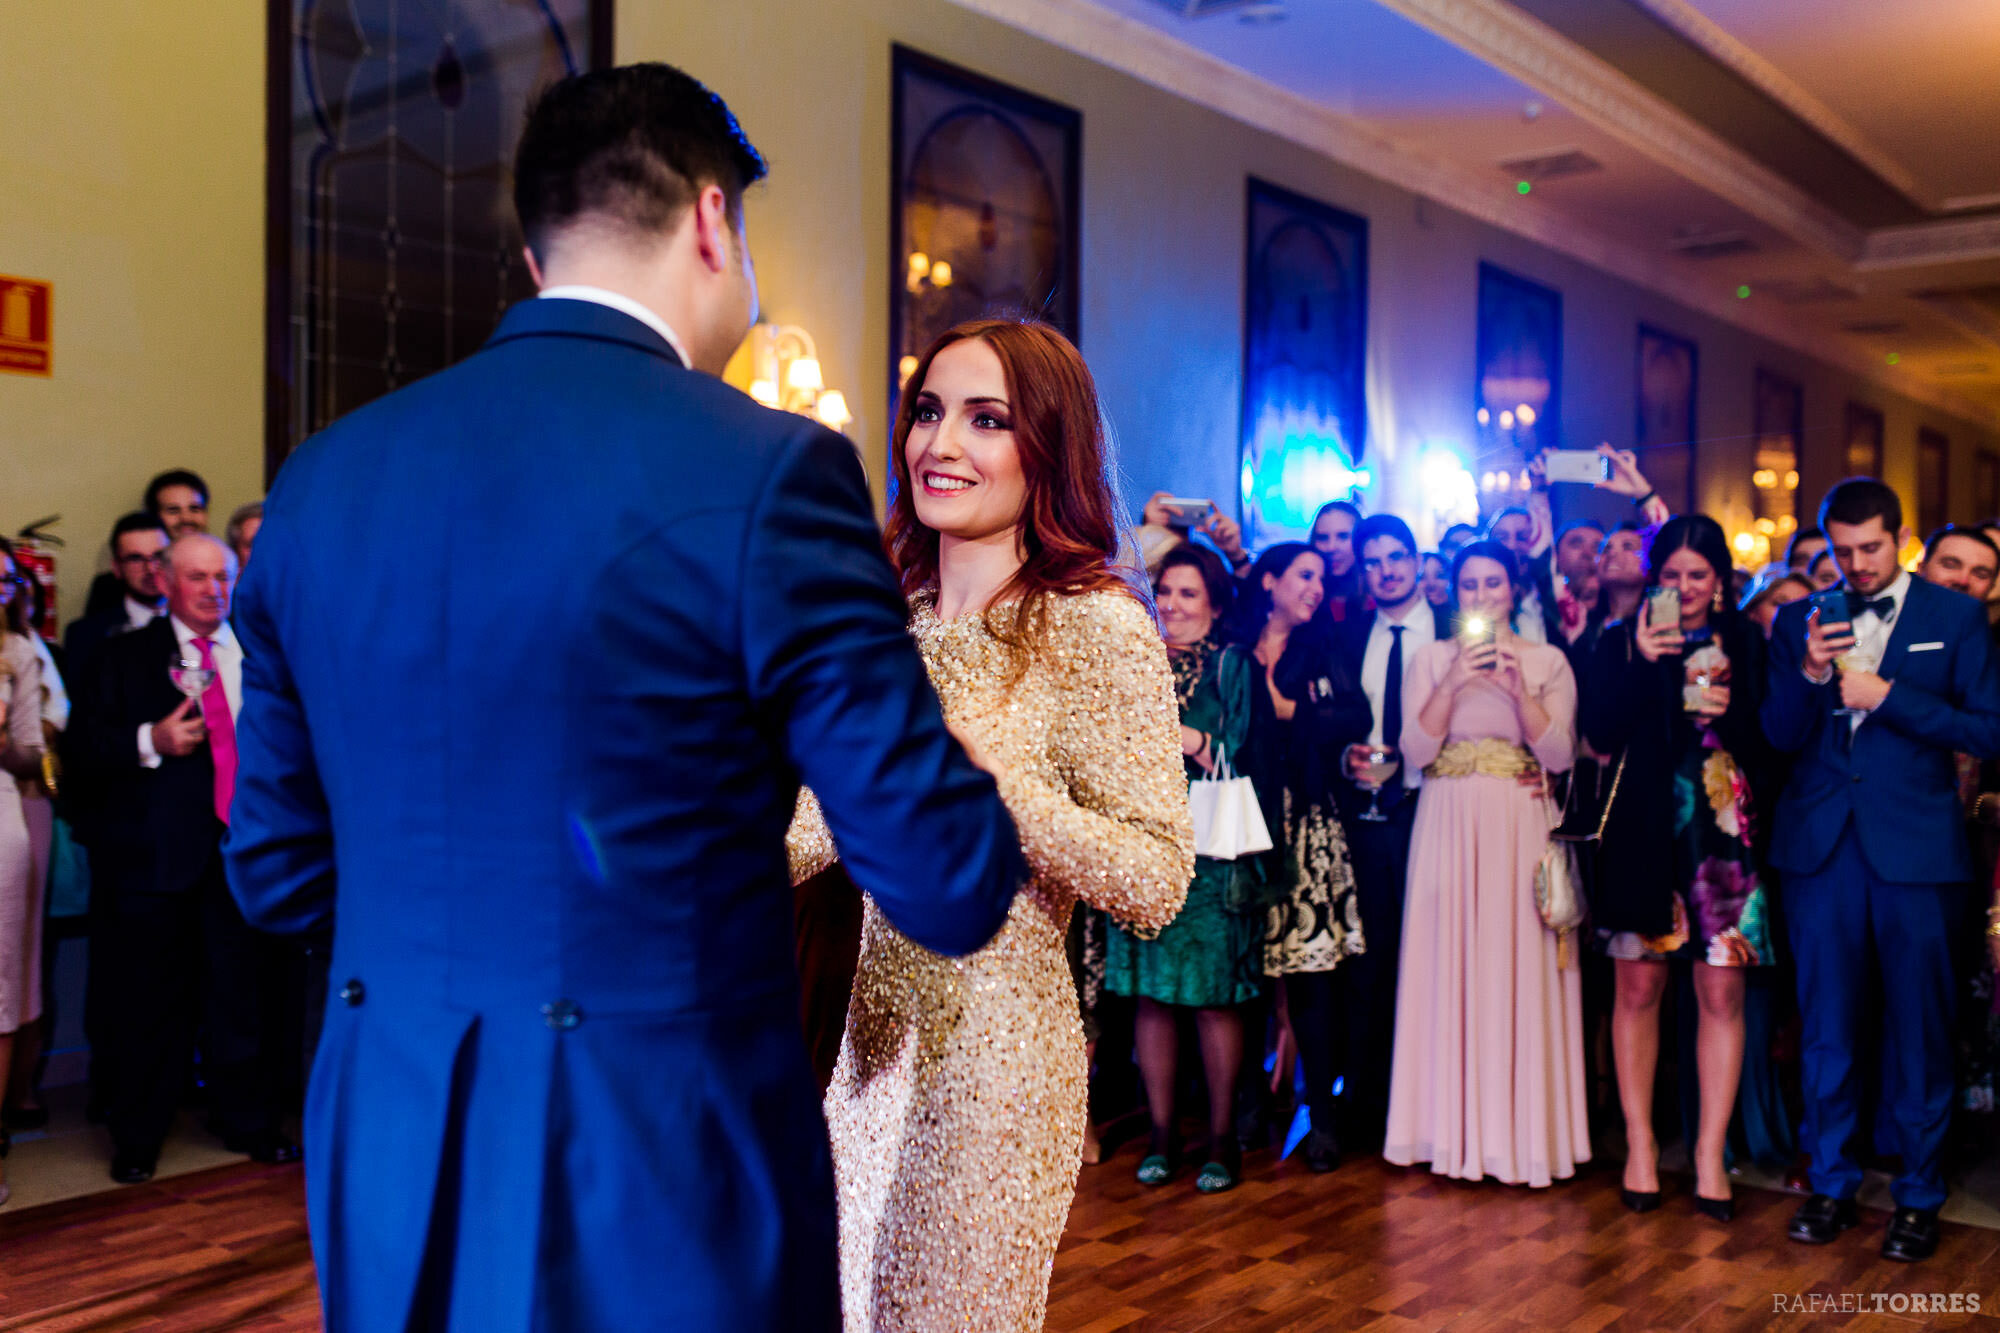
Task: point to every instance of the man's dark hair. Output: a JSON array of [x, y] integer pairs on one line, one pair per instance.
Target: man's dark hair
[[1802, 535], [635, 145], [1859, 499], [1583, 525], [1383, 525], [1932, 542], [1509, 512], [143, 520], [179, 476]]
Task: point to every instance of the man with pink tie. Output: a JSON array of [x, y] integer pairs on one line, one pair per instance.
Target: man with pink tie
[[172, 953]]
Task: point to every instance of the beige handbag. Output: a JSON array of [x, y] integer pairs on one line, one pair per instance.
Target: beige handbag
[[1558, 881]]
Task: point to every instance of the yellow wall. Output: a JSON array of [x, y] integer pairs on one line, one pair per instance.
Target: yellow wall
[[132, 176]]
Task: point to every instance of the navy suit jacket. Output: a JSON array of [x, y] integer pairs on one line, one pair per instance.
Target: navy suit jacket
[[1896, 778], [538, 652]]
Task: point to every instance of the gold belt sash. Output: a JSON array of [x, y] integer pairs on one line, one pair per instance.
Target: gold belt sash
[[1492, 756]]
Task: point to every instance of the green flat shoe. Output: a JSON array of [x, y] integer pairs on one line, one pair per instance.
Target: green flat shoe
[[1155, 1170], [1215, 1177]]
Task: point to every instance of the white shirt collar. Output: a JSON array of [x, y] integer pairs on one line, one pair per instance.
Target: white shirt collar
[[1410, 609], [225, 637], [138, 614], [576, 291]]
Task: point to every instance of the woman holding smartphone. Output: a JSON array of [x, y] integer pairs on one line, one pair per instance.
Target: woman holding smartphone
[[1305, 709], [1675, 693], [1488, 1074]]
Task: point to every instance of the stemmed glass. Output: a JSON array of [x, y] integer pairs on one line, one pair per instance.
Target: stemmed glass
[[191, 678], [1382, 766], [1856, 658]]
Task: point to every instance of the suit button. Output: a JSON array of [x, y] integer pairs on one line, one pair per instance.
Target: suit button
[[562, 1015], [353, 993]]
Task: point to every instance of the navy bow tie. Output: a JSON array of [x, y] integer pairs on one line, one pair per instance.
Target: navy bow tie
[[1884, 607]]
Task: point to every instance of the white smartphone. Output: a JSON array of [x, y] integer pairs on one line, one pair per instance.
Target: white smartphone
[[1186, 513], [1584, 466]]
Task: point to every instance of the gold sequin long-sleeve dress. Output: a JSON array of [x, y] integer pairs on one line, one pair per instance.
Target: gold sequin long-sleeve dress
[[957, 1109]]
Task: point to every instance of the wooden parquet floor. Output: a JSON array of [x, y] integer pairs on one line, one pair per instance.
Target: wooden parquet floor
[[1369, 1247]]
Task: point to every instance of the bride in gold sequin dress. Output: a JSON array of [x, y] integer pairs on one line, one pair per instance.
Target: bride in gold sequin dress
[[957, 1109]]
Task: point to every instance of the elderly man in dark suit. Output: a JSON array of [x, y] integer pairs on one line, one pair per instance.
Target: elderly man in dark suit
[[544, 792], [170, 951]]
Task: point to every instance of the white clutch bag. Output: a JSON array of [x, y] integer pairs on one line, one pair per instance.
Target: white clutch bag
[[1228, 822]]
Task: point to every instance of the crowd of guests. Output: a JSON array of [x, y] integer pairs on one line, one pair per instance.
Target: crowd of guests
[[1777, 814], [117, 766], [1747, 816]]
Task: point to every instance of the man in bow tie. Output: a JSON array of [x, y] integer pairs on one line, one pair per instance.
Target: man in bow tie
[[170, 952], [1870, 843]]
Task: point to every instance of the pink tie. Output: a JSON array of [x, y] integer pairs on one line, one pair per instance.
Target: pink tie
[[221, 732]]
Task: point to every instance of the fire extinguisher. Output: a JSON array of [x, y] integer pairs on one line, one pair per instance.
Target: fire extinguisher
[[35, 554]]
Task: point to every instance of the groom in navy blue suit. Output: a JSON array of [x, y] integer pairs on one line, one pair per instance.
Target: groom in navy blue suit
[[1870, 844], [538, 653]]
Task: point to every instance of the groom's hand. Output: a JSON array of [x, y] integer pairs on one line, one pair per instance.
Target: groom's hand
[[973, 750]]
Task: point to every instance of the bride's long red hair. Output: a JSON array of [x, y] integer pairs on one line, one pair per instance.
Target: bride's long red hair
[[1069, 519]]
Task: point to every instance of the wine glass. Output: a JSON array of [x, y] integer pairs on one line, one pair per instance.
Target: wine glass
[[191, 678], [1381, 767]]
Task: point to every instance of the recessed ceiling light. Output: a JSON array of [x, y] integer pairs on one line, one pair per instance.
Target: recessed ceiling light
[[1531, 111]]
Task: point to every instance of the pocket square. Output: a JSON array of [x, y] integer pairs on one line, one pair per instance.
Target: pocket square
[[1925, 647]]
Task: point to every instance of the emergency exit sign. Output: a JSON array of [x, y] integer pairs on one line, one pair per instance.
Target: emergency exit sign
[[27, 330]]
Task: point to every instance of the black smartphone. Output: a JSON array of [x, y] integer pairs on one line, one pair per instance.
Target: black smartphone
[[1831, 603]]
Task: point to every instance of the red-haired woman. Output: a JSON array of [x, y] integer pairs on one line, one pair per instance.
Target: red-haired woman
[[957, 1109]]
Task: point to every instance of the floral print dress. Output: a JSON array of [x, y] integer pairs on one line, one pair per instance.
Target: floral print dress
[[1721, 910]]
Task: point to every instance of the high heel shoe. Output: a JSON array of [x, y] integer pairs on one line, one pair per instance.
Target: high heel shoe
[[1720, 1210], [1640, 1201]]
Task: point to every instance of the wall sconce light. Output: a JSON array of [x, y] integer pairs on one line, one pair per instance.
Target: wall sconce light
[[779, 366], [923, 269]]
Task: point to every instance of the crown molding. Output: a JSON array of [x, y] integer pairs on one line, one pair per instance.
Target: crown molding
[[1761, 74], [1969, 317], [1550, 63], [1154, 57], [1948, 242]]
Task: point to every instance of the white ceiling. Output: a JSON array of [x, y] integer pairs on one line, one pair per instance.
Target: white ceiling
[[1917, 78], [1908, 88]]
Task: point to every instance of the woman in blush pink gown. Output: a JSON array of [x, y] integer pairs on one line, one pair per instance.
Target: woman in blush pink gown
[[1488, 1077]]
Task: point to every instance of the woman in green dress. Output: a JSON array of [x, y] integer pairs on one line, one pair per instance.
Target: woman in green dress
[[1207, 959]]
